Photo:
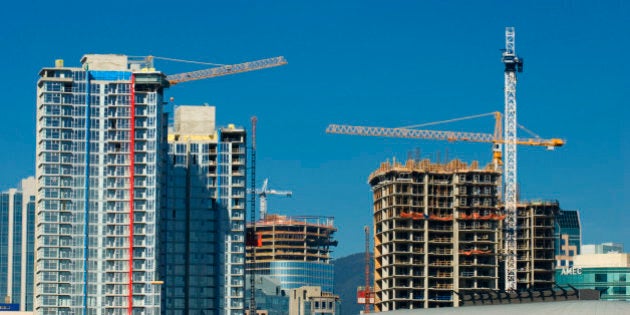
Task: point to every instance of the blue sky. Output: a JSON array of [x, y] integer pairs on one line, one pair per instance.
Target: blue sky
[[381, 63]]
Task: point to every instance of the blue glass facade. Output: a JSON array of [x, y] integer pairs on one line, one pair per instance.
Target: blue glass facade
[[17, 241], [295, 274], [30, 253], [568, 237], [17, 215], [4, 243], [612, 282], [202, 226]]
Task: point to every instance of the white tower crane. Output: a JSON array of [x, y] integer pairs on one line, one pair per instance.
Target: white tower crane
[[512, 64], [262, 194]]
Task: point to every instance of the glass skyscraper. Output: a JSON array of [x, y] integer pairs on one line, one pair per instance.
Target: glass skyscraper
[[296, 274], [568, 236], [295, 251], [203, 224], [100, 143], [17, 215]]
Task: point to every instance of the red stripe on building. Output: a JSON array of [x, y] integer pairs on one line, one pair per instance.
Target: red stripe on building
[[132, 136]]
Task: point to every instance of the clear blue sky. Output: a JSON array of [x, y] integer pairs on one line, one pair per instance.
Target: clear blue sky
[[382, 63]]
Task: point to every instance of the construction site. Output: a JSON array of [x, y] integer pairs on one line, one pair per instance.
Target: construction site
[[443, 230], [437, 235], [295, 250]]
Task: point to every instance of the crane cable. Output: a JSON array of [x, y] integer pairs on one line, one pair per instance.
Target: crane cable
[[466, 118], [183, 60], [448, 120]]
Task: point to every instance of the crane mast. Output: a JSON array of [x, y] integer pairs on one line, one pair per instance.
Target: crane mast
[[368, 291], [512, 64]]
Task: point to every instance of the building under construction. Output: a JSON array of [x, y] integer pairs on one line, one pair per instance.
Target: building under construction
[[436, 231], [438, 234], [535, 260], [294, 250]]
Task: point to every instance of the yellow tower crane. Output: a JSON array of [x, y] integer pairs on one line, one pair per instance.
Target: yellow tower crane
[[409, 132]]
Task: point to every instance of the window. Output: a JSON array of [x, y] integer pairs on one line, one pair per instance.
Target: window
[[601, 277], [619, 290]]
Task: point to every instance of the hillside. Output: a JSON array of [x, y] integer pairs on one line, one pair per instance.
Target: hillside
[[349, 272]]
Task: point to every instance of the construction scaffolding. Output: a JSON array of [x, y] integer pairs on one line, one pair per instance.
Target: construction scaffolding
[[436, 230]]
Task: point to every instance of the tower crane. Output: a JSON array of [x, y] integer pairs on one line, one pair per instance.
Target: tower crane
[[262, 194], [505, 143], [216, 71], [512, 64], [452, 136]]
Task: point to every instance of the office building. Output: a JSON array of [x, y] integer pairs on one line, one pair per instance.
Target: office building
[[608, 273], [568, 235], [100, 139], [17, 224], [436, 232], [202, 226], [295, 251]]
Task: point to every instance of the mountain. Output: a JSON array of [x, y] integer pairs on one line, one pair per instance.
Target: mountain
[[349, 274]]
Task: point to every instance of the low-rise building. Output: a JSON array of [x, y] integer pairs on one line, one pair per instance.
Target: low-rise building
[[312, 301], [607, 273]]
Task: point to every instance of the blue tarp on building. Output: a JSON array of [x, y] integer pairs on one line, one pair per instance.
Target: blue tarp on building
[[4, 307]]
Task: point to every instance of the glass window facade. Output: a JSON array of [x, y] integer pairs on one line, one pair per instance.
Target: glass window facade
[[568, 237], [611, 281], [100, 136], [16, 244], [295, 274], [202, 226]]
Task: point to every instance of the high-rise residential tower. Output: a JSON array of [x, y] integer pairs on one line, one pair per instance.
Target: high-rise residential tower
[[100, 136], [17, 223], [202, 226], [436, 231]]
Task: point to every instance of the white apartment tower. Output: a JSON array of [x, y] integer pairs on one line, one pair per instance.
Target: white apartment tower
[[203, 225], [100, 136]]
